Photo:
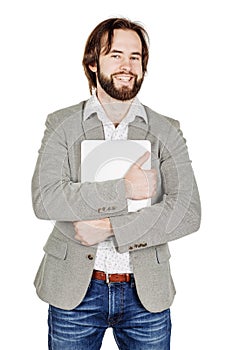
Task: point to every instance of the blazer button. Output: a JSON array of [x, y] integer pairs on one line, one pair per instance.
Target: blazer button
[[90, 257]]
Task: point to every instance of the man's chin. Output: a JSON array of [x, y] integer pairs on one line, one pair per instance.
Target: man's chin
[[124, 90]]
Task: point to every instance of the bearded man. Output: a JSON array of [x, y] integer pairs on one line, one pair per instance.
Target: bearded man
[[103, 265]]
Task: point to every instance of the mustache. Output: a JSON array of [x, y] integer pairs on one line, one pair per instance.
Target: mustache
[[125, 73]]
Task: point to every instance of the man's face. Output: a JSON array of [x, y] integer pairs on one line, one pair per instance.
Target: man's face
[[119, 73]]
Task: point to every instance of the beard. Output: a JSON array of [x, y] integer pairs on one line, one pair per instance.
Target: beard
[[124, 93]]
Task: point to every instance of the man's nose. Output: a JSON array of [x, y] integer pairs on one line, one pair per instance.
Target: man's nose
[[126, 64]]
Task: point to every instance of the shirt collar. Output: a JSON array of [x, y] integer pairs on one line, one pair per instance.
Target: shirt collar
[[94, 106]]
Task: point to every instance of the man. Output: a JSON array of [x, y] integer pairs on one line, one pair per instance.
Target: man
[[104, 266]]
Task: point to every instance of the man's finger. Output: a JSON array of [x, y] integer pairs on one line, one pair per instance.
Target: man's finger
[[141, 160]]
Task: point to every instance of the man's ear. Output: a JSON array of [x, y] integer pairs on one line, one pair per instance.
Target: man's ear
[[93, 67]]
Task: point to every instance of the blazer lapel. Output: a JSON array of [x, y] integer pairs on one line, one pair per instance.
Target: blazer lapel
[[93, 128], [138, 129]]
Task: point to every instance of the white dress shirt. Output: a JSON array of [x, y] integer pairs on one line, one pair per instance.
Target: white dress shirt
[[107, 258]]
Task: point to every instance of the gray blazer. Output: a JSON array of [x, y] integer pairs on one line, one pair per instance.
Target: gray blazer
[[57, 194]]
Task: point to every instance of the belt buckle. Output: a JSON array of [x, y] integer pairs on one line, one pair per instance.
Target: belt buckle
[[107, 278]]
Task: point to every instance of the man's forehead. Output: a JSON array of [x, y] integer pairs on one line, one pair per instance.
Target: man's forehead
[[120, 39]]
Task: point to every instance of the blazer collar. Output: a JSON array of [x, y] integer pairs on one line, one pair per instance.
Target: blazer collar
[[93, 128]]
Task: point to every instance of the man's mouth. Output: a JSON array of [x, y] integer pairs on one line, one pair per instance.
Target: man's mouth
[[123, 77]]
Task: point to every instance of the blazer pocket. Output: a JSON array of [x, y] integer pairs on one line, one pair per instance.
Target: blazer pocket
[[162, 253], [56, 248]]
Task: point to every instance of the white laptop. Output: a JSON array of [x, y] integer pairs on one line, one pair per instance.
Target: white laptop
[[103, 160]]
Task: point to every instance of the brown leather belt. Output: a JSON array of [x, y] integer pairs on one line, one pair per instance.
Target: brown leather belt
[[113, 277]]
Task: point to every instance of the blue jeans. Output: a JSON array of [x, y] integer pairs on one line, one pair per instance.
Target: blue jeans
[[105, 305]]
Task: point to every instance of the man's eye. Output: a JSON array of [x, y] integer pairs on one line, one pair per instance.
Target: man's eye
[[135, 58], [115, 56]]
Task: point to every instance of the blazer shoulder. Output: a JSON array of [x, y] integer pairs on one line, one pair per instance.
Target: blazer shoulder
[[158, 119], [64, 115]]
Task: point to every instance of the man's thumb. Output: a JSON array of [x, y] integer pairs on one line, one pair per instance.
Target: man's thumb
[[141, 160]]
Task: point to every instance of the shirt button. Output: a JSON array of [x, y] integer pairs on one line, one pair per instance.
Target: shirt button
[[90, 257]]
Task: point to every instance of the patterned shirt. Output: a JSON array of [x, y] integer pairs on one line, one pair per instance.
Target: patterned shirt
[[107, 257]]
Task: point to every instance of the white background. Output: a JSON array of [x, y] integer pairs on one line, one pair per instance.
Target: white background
[[189, 78]]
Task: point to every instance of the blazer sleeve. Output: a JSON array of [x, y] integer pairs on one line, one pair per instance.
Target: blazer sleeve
[[56, 197], [179, 211]]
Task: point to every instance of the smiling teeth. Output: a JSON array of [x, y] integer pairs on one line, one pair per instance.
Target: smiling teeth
[[124, 78]]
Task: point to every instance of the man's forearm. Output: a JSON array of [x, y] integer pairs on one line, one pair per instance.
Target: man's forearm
[[177, 215]]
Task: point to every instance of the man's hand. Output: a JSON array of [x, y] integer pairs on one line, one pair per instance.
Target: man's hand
[[92, 232], [140, 183]]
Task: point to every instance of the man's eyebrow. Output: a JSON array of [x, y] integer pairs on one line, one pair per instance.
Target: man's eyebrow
[[136, 53], [119, 51], [116, 51]]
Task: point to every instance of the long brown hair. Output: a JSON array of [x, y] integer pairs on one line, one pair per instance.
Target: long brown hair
[[93, 44]]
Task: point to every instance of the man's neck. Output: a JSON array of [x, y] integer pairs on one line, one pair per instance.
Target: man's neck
[[116, 110]]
